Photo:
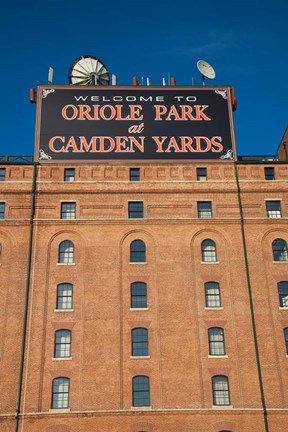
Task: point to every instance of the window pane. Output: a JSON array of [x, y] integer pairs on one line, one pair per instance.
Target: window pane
[[201, 174], [286, 339], [273, 209], [212, 293], [140, 342], [209, 251], [2, 174], [62, 344], [69, 174], [2, 210], [66, 252], [204, 209], [134, 174], [138, 295], [64, 296], [269, 173], [68, 210], [137, 251], [283, 293], [279, 247], [141, 393], [216, 341], [135, 210], [60, 393], [220, 390]]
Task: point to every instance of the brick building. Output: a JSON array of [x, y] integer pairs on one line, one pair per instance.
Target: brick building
[[144, 296]]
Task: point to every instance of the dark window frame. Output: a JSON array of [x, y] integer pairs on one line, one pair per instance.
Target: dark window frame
[[2, 210], [216, 340], [139, 342], [137, 251], [279, 250], [63, 343], [201, 174], [273, 209], [269, 173], [134, 174], [60, 296], [66, 252], [56, 382], [286, 339], [69, 175], [221, 393], [208, 251], [204, 209], [68, 210], [2, 174], [283, 293], [212, 300], [140, 391], [135, 209], [138, 295]]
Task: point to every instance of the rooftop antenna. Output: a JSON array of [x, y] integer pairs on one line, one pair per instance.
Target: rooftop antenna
[[163, 81], [50, 75], [148, 81], [113, 80], [206, 70]]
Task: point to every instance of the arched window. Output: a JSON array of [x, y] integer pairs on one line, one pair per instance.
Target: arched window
[[220, 388], [139, 341], [212, 294], [279, 247], [286, 339], [283, 293], [60, 393], [137, 251], [208, 249], [216, 341], [138, 295], [64, 296], [66, 252], [141, 391], [62, 344]]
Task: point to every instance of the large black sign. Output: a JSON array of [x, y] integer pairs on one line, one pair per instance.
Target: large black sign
[[134, 123]]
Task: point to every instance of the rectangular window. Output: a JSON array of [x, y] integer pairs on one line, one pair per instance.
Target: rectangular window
[[201, 174], [68, 210], [204, 209], [2, 210], [212, 295], [64, 296], [134, 174], [135, 210], [273, 209], [269, 173], [2, 174], [69, 174]]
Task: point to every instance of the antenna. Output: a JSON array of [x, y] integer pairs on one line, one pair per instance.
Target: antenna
[[163, 82], [148, 81], [50, 75], [206, 70], [113, 79]]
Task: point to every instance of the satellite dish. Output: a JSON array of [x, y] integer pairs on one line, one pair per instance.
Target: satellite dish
[[206, 70], [88, 70]]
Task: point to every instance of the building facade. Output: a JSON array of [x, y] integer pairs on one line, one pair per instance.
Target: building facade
[[144, 296]]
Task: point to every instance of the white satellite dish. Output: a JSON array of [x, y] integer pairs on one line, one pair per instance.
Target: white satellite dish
[[88, 70], [206, 70]]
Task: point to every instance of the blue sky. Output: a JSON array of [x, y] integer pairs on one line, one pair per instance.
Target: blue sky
[[245, 41]]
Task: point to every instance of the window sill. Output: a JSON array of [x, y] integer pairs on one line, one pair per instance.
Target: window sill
[[280, 262], [63, 310], [59, 410], [217, 356], [141, 309], [141, 408], [139, 357], [220, 407], [65, 264], [61, 358], [214, 308], [141, 263], [209, 262]]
